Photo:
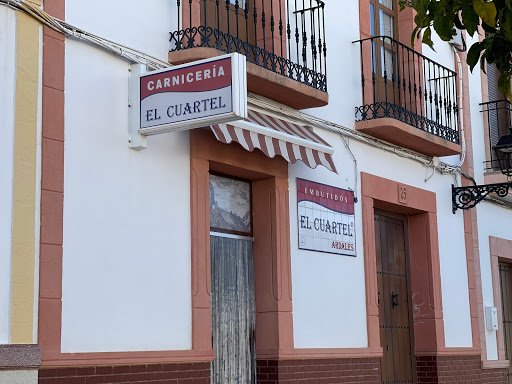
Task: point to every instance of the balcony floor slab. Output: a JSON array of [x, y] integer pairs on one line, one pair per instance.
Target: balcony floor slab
[[262, 81], [402, 134]]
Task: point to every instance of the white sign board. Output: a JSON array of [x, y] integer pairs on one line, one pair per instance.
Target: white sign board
[[326, 221], [191, 95]]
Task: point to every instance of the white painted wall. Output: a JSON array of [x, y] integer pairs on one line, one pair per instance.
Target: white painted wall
[[7, 99], [126, 263], [329, 305], [329, 309], [140, 25], [492, 219], [116, 280]]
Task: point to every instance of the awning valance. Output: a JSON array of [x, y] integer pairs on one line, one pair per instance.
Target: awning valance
[[274, 136]]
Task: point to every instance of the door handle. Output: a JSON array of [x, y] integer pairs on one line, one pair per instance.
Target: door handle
[[394, 300]]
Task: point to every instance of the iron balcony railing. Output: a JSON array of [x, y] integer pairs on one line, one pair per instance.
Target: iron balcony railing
[[284, 36], [498, 115], [402, 84]]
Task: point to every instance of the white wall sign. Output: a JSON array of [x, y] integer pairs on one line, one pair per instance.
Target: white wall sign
[[326, 220], [191, 95]]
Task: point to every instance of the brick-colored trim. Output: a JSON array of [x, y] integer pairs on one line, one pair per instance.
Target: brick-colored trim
[[471, 223], [187, 373], [325, 353], [52, 185], [499, 249], [274, 322], [399, 133]]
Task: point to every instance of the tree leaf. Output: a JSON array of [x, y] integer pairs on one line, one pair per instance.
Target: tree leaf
[[486, 11], [427, 38], [443, 25], [504, 84], [506, 25], [474, 54], [470, 19]]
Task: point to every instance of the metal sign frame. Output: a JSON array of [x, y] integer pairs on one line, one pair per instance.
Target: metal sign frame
[[238, 100]]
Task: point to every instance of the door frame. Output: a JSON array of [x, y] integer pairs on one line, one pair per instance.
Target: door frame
[[271, 226], [420, 208], [500, 251]]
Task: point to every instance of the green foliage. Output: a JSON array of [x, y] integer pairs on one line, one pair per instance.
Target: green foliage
[[490, 18]]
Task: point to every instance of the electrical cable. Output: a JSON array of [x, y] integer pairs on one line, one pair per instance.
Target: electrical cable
[[69, 30], [154, 63]]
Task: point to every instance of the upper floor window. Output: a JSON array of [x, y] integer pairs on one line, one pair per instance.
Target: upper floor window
[[383, 16]]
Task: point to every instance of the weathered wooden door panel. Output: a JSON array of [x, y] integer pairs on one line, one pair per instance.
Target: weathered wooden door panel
[[233, 311], [393, 296]]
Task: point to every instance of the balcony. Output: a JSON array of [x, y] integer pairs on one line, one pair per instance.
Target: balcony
[[408, 99], [498, 120], [283, 41]]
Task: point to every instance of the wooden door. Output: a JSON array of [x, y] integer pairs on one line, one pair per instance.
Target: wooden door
[[393, 298], [506, 302], [233, 24]]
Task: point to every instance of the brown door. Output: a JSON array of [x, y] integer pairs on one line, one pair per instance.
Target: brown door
[[506, 301], [231, 22], [393, 295]]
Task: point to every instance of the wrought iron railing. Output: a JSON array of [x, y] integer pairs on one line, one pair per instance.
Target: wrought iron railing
[[283, 36], [498, 115], [403, 84]]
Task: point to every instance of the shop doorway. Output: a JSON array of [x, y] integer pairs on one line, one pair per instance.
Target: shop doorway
[[506, 302], [232, 281], [396, 337]]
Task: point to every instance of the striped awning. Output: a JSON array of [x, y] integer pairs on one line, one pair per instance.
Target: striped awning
[[274, 136]]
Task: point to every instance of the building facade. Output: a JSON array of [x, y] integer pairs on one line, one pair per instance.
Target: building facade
[[316, 241]]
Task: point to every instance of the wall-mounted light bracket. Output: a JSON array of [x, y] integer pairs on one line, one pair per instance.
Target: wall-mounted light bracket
[[468, 197]]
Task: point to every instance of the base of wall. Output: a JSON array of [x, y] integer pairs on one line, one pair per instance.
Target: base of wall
[[457, 369], [186, 373], [19, 377], [19, 363], [430, 369], [331, 371]]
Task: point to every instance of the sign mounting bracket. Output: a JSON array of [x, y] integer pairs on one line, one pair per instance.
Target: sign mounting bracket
[[136, 141]]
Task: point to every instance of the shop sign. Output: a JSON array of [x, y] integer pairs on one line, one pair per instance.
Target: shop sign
[[326, 220], [193, 95]]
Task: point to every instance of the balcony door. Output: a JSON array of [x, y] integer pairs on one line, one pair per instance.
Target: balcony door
[[385, 63], [231, 28]]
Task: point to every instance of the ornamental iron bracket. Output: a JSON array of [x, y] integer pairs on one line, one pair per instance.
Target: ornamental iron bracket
[[468, 197]]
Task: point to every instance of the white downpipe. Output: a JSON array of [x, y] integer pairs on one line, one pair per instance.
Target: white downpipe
[[461, 110]]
